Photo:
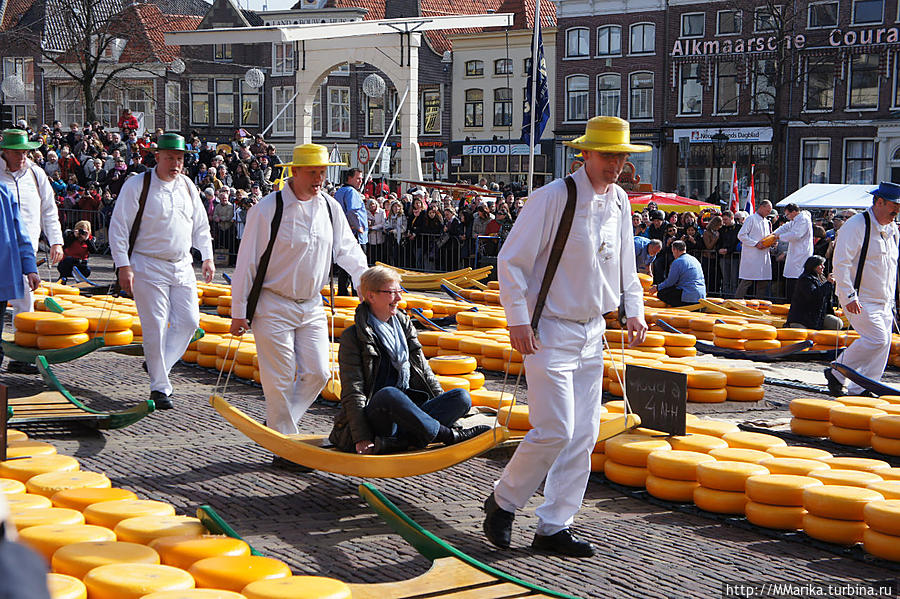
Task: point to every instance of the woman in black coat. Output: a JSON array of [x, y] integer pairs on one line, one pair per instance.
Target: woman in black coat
[[812, 303]]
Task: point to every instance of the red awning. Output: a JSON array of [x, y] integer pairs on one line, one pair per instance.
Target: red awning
[[668, 202]]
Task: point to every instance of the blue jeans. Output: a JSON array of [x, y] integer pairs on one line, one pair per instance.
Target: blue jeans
[[391, 413]]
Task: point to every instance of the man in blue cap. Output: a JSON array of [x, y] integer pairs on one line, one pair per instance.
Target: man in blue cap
[[865, 273]]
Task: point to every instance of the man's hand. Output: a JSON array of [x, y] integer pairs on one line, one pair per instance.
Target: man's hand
[[209, 270], [759, 245], [637, 331], [522, 338], [853, 307], [830, 278], [34, 280], [239, 326], [56, 253], [365, 447], [126, 278]]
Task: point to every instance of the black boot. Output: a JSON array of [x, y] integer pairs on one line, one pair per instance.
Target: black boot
[[17, 367], [464, 434], [562, 543], [835, 387], [497, 523], [162, 401]]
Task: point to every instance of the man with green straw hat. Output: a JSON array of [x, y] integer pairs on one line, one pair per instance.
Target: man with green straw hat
[[37, 211], [560, 332], [277, 283], [161, 210]]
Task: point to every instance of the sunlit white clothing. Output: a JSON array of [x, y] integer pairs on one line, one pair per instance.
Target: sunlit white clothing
[[756, 264], [880, 271], [798, 233]]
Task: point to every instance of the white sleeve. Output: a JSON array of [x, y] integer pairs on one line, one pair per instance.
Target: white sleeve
[[631, 286], [253, 244], [748, 232], [49, 214], [796, 229], [847, 247], [347, 252], [124, 211], [200, 236]]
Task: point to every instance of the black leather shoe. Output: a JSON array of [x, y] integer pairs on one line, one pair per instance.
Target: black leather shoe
[[162, 401], [21, 367], [497, 523], [464, 434], [835, 387], [562, 543], [385, 445], [289, 466]]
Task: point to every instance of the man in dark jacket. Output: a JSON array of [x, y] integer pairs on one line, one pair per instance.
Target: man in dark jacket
[[729, 258]]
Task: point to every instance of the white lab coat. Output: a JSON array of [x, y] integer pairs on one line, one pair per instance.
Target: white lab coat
[[880, 271], [756, 264], [798, 234]]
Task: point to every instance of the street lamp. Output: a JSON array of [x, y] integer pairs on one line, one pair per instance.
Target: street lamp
[[719, 141]]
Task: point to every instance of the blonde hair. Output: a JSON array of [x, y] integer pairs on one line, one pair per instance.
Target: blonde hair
[[375, 278], [83, 224]]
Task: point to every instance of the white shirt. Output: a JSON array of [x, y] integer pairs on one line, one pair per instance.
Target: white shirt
[[37, 203], [756, 264], [302, 254], [880, 271], [798, 234], [174, 220], [599, 253]]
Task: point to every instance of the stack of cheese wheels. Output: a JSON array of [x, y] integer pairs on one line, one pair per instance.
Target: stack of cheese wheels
[[183, 552], [811, 416], [211, 292], [776, 500], [679, 345], [112, 325], [835, 513], [217, 325], [829, 340], [654, 343], [429, 341], [236, 354], [701, 327], [234, 572], [598, 455], [514, 417], [743, 383], [339, 321], [886, 433], [707, 386], [730, 336], [760, 337], [49, 330], [206, 349], [894, 356], [850, 424], [722, 483], [62, 586], [223, 303], [626, 458], [791, 336], [882, 537], [672, 475], [490, 399], [452, 370]]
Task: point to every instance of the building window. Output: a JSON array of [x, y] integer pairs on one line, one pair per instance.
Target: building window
[[863, 92], [765, 19], [691, 90], [643, 38], [281, 97], [140, 98], [859, 162], [867, 11], [692, 24], [283, 58], [728, 22], [896, 103], [577, 98], [374, 115], [339, 111], [503, 66], [474, 68], [474, 108], [224, 102], [24, 68], [69, 106], [222, 52], [823, 14], [106, 106], [317, 112], [199, 102], [820, 84], [764, 85], [431, 111], [393, 101], [726, 88], [250, 103], [173, 106], [577, 43], [609, 94], [641, 98], [609, 40], [526, 67], [815, 155], [503, 107]]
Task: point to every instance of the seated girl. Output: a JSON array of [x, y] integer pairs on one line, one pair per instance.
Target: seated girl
[[390, 399], [77, 246], [812, 304]]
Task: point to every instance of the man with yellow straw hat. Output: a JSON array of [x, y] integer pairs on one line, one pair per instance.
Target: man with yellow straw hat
[[561, 331], [277, 283]]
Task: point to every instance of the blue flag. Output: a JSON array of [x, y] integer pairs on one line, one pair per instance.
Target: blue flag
[[543, 96]]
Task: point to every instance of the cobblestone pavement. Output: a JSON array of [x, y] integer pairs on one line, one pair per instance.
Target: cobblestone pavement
[[318, 525]]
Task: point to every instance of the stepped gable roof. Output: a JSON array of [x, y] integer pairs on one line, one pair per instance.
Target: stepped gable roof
[[12, 11]]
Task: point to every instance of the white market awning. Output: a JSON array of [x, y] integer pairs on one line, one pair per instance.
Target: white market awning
[[831, 195]]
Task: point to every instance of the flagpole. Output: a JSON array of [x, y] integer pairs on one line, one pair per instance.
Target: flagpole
[[533, 103]]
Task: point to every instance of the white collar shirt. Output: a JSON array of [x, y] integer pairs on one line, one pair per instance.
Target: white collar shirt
[[879, 277], [798, 234], [37, 202]]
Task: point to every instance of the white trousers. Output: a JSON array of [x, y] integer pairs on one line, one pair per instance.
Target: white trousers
[[23, 304], [292, 345], [868, 355], [165, 294], [564, 393]]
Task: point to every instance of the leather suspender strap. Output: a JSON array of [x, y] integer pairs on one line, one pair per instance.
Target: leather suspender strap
[[142, 202], [864, 251], [559, 244], [256, 289]]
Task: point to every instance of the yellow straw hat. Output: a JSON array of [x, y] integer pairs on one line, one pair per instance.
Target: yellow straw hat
[[607, 134], [311, 155]]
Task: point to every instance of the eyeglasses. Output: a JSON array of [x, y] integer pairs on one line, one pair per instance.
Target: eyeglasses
[[397, 292]]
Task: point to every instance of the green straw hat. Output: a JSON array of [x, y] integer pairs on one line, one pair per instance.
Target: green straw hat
[[17, 139], [170, 141]]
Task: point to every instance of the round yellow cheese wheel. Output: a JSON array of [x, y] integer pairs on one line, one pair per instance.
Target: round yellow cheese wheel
[[761, 344], [110, 513], [856, 417], [780, 489], [24, 469], [490, 399], [883, 516], [851, 463], [792, 335], [598, 461], [80, 498], [716, 428], [15, 435], [719, 502], [9, 486], [144, 529], [514, 417], [630, 476], [47, 538], [183, 551], [195, 594], [850, 478], [62, 586], [706, 379], [728, 342], [886, 425], [758, 441], [795, 451], [234, 572], [696, 443], [726, 475], [298, 587], [27, 321], [885, 445], [476, 380], [881, 545], [633, 450], [26, 501], [866, 402], [28, 447], [133, 581], [23, 339], [810, 428], [744, 393], [214, 324], [676, 465], [811, 408], [780, 517], [190, 356], [738, 454], [680, 352], [838, 501], [830, 530], [728, 331], [502, 365], [759, 332], [669, 489], [430, 337], [103, 320], [449, 383], [115, 337], [78, 559], [889, 488], [798, 466], [61, 341], [47, 515], [69, 325], [50, 483]]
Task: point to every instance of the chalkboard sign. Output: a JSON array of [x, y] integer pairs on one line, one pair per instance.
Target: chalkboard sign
[[659, 397]]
